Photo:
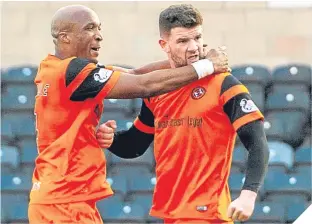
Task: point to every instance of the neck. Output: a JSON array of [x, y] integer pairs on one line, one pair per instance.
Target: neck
[[61, 54]]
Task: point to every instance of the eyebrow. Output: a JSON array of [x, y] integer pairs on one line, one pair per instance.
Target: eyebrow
[[93, 23]]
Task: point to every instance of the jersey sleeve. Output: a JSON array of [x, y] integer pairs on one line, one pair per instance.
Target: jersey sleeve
[[237, 103], [85, 80], [145, 121]]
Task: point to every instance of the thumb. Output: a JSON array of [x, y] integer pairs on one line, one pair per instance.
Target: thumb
[[230, 210], [111, 123]]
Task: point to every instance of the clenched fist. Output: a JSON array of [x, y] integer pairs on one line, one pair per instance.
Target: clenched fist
[[242, 208], [105, 133], [219, 59]]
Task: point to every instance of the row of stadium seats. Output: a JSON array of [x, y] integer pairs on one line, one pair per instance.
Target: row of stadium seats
[[129, 177], [25, 152], [290, 73], [288, 126], [135, 207], [279, 97]]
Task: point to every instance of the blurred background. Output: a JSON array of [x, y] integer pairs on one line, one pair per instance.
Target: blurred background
[[270, 50]]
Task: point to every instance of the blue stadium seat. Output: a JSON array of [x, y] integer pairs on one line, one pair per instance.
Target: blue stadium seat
[[17, 181], [286, 199], [115, 115], [132, 212], [294, 210], [124, 105], [268, 212], [22, 124], [239, 156], [287, 126], [236, 181], [27, 169], [235, 169], [281, 153], [288, 97], [303, 156], [129, 171], [6, 129], [25, 73], [146, 159], [142, 183], [14, 206], [18, 96], [288, 183], [304, 169], [119, 183], [142, 199], [292, 73], [9, 155], [252, 74], [257, 92], [111, 207], [29, 150]]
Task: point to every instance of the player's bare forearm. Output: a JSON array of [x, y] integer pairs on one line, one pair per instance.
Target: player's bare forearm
[[157, 65], [153, 83]]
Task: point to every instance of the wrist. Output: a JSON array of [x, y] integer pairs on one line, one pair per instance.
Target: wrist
[[203, 68], [251, 195]]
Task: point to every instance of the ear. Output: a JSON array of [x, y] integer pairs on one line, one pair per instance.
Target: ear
[[64, 37], [164, 45]]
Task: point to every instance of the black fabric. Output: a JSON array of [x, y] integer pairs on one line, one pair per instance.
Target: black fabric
[[89, 88], [131, 143], [229, 82], [74, 67], [253, 137], [233, 107], [146, 116]]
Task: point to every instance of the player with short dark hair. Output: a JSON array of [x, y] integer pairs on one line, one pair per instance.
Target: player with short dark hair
[[70, 170], [194, 130]]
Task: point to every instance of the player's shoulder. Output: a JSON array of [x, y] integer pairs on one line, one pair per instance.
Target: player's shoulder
[[229, 81], [75, 65]]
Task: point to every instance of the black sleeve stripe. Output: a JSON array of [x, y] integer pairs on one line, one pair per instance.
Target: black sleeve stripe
[[75, 66], [229, 82], [89, 88], [146, 116], [233, 109]]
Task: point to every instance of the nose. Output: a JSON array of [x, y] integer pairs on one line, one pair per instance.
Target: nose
[[193, 45], [98, 36]]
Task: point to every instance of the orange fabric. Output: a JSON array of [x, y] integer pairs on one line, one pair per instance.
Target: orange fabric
[[143, 127], [79, 212], [193, 146], [247, 118], [191, 221], [227, 95], [70, 166]]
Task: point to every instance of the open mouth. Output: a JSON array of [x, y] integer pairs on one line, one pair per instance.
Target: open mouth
[[95, 48]]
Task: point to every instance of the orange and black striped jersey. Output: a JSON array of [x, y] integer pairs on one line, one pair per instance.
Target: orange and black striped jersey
[[70, 165], [194, 131]]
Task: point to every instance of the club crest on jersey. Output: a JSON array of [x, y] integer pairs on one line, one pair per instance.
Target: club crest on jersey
[[202, 208], [103, 75], [198, 92], [248, 106]]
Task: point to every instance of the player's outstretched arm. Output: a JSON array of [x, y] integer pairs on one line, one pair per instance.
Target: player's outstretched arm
[[162, 81], [157, 65]]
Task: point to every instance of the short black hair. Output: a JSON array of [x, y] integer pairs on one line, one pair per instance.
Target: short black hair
[[183, 15]]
